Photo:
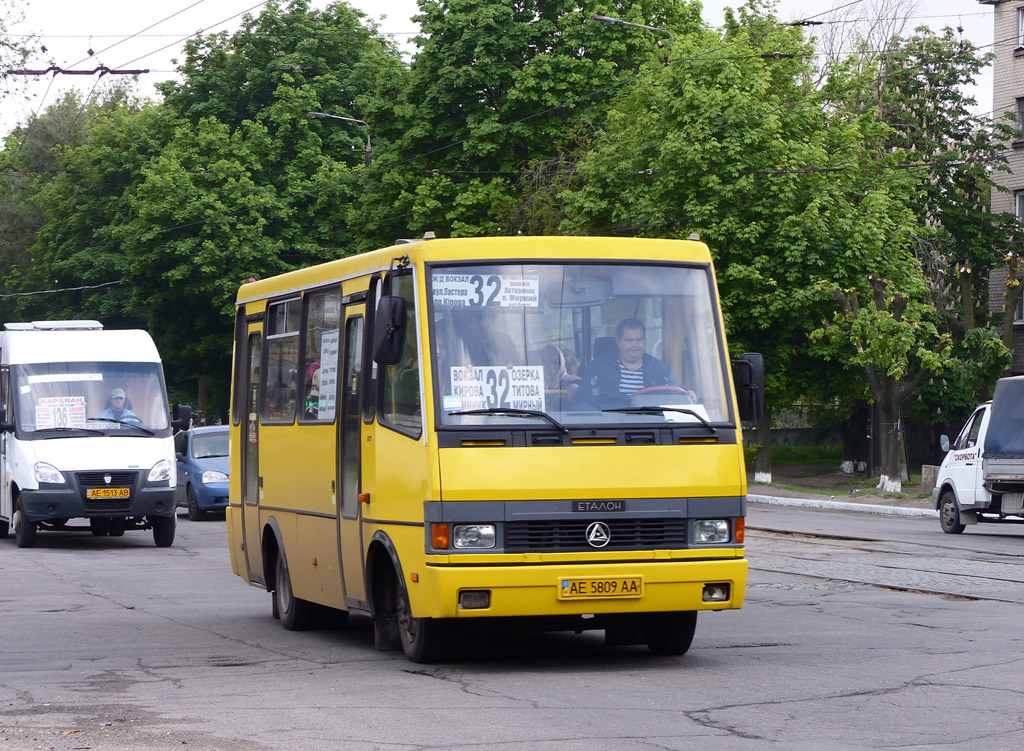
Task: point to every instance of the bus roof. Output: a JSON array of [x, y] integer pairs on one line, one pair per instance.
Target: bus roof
[[77, 345], [533, 248]]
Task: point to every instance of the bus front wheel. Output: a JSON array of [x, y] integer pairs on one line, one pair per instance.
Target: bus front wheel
[[670, 633], [295, 614], [424, 640]]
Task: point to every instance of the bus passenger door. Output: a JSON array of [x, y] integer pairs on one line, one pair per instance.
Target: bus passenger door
[[250, 454], [349, 461]]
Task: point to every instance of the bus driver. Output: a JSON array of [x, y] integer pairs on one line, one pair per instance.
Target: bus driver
[[610, 379]]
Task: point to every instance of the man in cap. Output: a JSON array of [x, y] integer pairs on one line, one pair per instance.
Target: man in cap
[[117, 411]]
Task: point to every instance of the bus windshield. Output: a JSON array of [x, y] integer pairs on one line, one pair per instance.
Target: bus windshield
[[582, 343], [107, 397]]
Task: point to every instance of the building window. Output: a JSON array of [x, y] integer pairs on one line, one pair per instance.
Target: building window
[[1018, 205], [1020, 117], [1020, 27], [1018, 313]]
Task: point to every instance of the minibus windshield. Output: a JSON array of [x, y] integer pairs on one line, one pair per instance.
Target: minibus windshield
[[583, 343], [89, 397]]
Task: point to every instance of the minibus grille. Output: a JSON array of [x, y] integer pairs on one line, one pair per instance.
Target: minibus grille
[[571, 534], [98, 479]]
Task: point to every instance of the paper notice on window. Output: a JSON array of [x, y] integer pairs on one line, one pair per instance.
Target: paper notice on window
[[486, 291], [326, 404], [497, 388], [60, 412]]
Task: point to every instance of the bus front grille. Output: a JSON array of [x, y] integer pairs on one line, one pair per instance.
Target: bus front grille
[[569, 534]]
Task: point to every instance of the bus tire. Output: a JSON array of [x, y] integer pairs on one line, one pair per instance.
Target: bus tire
[[670, 633], [424, 640], [296, 614], [24, 530], [5, 529], [949, 514], [163, 530]]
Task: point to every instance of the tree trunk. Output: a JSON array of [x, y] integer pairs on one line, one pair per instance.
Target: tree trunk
[[891, 479], [763, 460]]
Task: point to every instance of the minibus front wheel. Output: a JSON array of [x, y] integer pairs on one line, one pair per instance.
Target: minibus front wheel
[[423, 639], [24, 530]]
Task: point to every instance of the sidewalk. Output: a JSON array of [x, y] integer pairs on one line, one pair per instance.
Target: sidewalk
[[820, 487]]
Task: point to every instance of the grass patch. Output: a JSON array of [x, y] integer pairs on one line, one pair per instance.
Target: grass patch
[[783, 455]]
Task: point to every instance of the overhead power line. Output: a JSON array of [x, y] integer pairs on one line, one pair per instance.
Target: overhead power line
[[103, 70]]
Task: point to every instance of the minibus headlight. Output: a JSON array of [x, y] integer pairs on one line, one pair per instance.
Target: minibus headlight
[[48, 473], [161, 471], [473, 536], [712, 530], [213, 476]]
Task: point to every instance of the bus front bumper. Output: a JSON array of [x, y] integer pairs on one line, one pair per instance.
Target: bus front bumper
[[569, 589]]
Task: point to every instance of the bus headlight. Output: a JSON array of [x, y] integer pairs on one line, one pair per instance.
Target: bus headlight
[[711, 530], [48, 473], [473, 536], [213, 476], [161, 471]]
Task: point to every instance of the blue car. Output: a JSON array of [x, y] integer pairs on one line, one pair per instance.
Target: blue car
[[202, 455]]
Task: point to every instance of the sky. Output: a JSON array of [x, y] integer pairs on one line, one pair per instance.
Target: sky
[[129, 34]]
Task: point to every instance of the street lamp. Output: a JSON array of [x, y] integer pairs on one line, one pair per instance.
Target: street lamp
[[369, 151], [609, 19]]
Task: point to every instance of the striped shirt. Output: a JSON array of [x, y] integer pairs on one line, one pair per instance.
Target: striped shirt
[[630, 380]]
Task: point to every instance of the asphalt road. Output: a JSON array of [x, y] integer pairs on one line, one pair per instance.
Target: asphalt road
[[858, 632]]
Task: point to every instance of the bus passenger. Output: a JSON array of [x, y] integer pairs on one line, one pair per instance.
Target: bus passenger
[[611, 378]]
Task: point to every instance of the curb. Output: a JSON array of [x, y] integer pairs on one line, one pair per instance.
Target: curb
[[866, 508]]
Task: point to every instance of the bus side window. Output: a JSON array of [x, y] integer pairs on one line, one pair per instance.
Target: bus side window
[[400, 383], [282, 359]]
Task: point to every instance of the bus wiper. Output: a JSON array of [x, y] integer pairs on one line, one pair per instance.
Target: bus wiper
[[512, 412], [648, 410], [69, 429], [141, 429]]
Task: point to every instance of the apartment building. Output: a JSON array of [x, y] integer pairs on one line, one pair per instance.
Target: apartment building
[[1008, 96]]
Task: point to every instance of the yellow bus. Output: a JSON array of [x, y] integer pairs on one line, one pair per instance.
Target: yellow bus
[[542, 431]]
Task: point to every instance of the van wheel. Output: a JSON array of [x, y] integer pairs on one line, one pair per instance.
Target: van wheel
[[24, 530], [670, 633], [163, 530], [296, 614], [423, 639], [949, 514], [194, 512]]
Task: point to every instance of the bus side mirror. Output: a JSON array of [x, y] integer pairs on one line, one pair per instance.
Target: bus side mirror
[[944, 443], [749, 371], [389, 330], [181, 417]]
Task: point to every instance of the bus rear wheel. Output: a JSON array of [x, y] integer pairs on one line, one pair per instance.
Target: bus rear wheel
[[670, 633], [295, 614], [424, 640]]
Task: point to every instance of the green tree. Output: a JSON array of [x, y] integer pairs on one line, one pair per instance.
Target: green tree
[[500, 98], [918, 89], [732, 141]]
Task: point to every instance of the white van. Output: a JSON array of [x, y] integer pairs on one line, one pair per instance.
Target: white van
[[85, 431]]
